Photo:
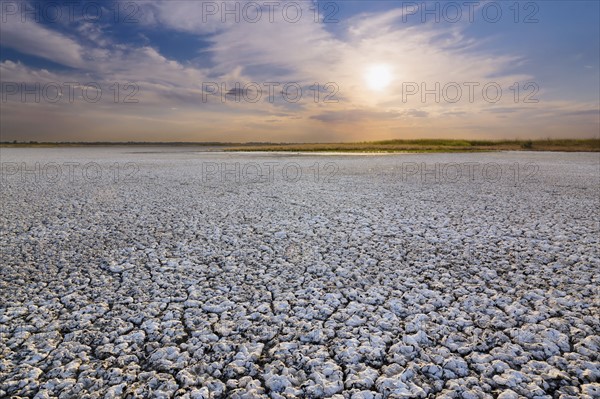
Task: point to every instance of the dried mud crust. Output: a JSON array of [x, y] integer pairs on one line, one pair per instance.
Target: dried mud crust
[[366, 286]]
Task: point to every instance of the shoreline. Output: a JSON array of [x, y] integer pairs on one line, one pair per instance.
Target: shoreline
[[382, 147]]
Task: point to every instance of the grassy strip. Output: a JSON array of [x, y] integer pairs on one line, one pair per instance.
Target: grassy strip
[[410, 146], [590, 145]]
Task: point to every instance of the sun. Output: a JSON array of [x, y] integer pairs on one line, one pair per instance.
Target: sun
[[378, 76]]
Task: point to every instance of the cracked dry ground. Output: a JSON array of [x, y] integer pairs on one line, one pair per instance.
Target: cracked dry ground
[[367, 286]]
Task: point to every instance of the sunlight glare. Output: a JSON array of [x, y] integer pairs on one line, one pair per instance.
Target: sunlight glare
[[378, 76]]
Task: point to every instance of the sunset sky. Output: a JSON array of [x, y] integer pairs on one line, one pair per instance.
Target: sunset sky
[[327, 71]]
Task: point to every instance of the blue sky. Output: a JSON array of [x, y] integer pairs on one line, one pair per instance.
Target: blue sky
[[170, 71]]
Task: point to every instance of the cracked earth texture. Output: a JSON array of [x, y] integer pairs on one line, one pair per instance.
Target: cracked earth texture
[[365, 280]]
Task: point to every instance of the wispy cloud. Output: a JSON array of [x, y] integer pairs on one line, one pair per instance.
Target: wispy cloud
[[34, 39]]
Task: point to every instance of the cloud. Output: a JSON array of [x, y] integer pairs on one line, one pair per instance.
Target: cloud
[[362, 115], [504, 110], [354, 115], [198, 16], [417, 113], [584, 112], [304, 52], [31, 38]]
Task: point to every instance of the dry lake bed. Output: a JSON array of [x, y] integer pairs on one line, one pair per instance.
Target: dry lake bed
[[170, 272]]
